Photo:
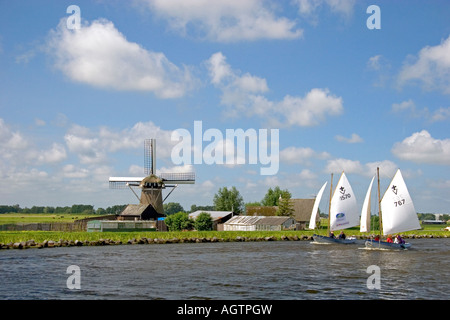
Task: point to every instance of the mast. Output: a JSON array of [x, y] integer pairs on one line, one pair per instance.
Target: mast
[[329, 204], [379, 200]]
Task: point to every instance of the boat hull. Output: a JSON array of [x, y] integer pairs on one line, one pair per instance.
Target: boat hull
[[386, 245], [324, 239]]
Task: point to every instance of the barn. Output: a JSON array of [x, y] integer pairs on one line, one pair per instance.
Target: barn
[[136, 212], [302, 211]]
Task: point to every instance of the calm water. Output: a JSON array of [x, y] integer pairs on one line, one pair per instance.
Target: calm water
[[236, 270]]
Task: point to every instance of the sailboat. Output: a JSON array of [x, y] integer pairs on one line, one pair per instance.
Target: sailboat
[[364, 226], [342, 213], [397, 213]]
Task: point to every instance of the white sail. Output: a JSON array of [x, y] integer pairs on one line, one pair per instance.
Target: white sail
[[343, 208], [397, 208], [365, 212], [312, 220]]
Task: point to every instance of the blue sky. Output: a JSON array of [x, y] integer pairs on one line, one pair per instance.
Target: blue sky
[[76, 105]]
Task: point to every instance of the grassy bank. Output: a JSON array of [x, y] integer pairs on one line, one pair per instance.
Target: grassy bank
[[97, 238], [7, 237]]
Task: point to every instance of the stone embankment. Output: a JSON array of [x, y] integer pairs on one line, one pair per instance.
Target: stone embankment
[[104, 242]]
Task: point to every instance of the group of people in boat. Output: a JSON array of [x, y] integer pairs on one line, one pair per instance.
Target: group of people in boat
[[341, 235], [398, 239]]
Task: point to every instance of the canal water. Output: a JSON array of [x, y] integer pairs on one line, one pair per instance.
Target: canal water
[[278, 270]]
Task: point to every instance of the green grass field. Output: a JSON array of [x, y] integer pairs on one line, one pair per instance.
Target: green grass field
[[12, 218]]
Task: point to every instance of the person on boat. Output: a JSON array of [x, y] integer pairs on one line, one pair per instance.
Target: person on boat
[[377, 238], [399, 239], [389, 239], [331, 235], [342, 235]]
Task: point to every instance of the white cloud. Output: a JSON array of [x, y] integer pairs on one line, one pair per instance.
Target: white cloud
[[243, 95], [99, 55], [225, 20], [353, 139], [421, 147], [440, 114], [310, 110], [431, 68], [70, 171], [56, 154], [94, 147], [387, 168], [409, 107], [295, 155]]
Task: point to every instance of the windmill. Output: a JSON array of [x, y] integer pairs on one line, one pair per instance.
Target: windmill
[[151, 185]]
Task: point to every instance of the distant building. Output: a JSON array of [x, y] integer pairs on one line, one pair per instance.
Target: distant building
[[259, 223], [218, 217], [433, 222], [302, 211]]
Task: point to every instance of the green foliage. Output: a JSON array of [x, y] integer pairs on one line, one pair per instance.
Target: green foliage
[[172, 207], [253, 204], [272, 196], [285, 206], [203, 222], [206, 208], [179, 221], [228, 200]]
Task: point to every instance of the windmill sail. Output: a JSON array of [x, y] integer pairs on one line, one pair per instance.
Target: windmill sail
[[343, 208], [312, 220], [397, 208], [365, 212]]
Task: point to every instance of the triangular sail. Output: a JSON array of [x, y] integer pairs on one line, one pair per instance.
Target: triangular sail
[[397, 208], [365, 212], [343, 208], [312, 220]]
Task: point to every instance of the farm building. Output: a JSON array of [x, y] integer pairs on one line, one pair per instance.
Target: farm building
[[218, 217], [302, 211], [137, 212], [259, 223]]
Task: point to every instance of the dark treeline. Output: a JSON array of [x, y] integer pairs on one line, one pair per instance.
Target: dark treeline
[[76, 208]]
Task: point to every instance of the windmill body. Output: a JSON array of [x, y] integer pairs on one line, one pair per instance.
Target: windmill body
[[151, 185]]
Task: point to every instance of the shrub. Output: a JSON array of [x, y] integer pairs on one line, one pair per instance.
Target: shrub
[[203, 222]]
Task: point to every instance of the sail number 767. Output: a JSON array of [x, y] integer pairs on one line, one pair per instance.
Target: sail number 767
[[399, 202]]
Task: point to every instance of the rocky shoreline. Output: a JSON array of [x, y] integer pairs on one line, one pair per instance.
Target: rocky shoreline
[[104, 242]]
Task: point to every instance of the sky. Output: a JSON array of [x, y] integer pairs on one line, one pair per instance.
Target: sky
[[328, 85]]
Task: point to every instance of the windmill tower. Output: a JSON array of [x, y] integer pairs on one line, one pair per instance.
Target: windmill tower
[[151, 185]]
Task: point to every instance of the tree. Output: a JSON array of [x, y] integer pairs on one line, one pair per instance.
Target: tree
[[206, 208], [285, 206], [253, 204], [100, 211], [272, 196], [172, 207], [179, 221], [203, 222], [228, 200]]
